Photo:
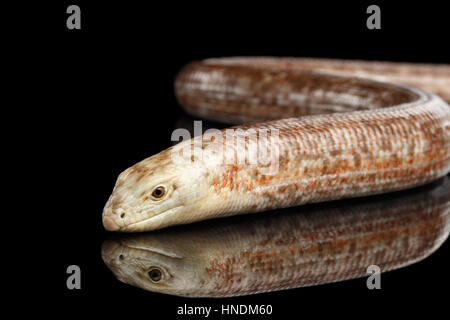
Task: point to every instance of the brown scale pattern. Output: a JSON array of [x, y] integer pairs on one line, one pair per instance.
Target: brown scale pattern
[[392, 137], [434, 78]]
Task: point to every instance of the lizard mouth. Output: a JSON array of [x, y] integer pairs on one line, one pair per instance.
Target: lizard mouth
[[150, 223]]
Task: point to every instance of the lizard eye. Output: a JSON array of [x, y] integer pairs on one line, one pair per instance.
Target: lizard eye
[[155, 274], [158, 192]]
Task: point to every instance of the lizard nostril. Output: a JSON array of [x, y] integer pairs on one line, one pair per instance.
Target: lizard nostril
[[122, 215]]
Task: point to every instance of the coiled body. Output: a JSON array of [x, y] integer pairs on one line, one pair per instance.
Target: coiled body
[[330, 137]]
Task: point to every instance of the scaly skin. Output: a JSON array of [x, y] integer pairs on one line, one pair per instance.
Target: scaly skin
[[393, 137], [296, 247], [434, 78]]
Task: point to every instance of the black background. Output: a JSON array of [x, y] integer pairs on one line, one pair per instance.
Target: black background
[[106, 102]]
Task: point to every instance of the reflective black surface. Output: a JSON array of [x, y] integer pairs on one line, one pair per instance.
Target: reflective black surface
[[280, 249]]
